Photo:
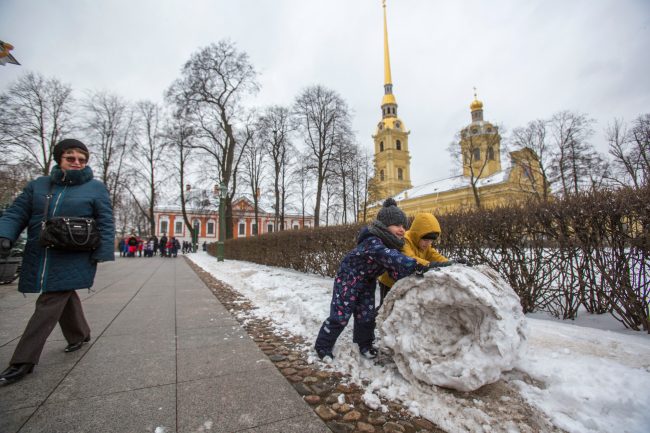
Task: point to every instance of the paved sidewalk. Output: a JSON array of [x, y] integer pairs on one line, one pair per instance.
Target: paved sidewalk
[[165, 356]]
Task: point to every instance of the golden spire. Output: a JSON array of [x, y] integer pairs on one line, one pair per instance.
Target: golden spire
[[387, 77], [388, 82]]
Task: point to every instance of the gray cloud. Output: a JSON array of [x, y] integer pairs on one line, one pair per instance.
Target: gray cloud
[[528, 59]]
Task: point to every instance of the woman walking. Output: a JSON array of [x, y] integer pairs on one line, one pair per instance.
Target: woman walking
[[57, 274]]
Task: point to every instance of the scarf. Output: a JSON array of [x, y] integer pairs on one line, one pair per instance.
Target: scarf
[[380, 230]]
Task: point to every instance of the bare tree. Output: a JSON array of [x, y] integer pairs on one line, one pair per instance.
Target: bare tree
[[178, 136], [534, 137], [332, 205], [301, 179], [211, 88], [274, 128], [35, 113], [640, 138], [476, 145], [322, 117], [630, 150], [147, 159], [361, 183], [128, 217], [13, 178], [574, 162], [345, 164], [253, 165], [108, 123]]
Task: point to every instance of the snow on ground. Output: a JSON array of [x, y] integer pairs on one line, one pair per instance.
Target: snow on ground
[[583, 379]]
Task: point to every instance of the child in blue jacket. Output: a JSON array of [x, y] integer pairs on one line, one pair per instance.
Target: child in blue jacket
[[377, 251]]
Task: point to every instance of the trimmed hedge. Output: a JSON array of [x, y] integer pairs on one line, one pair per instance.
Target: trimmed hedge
[[587, 250]]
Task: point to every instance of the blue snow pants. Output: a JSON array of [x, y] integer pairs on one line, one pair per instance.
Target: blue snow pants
[[345, 305]]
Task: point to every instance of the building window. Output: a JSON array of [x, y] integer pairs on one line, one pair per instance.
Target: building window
[[178, 228], [398, 145], [527, 172], [269, 228], [242, 229], [254, 228], [400, 174], [476, 155], [490, 153], [381, 175], [164, 226], [210, 228], [296, 227], [381, 146]]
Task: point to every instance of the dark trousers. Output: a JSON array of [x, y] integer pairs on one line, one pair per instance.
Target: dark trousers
[[62, 307], [359, 305], [363, 333]]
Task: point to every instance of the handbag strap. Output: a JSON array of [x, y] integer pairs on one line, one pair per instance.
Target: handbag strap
[[88, 232], [47, 203]]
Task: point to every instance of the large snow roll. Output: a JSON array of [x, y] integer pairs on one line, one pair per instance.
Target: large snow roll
[[458, 327]]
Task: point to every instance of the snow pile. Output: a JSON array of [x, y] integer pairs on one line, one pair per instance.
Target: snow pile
[[458, 327]]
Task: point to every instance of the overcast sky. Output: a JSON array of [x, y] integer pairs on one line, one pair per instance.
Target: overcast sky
[[528, 59]]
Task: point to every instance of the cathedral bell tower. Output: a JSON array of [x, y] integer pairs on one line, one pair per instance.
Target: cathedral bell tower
[[392, 159], [480, 144]]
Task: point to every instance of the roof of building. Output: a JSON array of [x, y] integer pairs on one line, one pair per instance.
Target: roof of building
[[455, 182]]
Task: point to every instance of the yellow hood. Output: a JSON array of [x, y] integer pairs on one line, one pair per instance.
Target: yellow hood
[[423, 223]]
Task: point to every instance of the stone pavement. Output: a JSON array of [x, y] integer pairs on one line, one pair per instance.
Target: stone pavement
[[165, 356]]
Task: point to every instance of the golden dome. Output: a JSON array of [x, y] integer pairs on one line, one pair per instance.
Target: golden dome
[[476, 105]]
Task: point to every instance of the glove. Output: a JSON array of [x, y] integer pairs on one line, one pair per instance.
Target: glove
[[465, 262], [420, 270], [5, 247], [438, 265]]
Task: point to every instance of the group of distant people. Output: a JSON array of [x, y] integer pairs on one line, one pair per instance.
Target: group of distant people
[[135, 246]]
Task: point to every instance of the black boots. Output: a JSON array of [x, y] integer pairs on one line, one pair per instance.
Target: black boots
[[325, 353], [369, 352], [76, 346], [15, 372]]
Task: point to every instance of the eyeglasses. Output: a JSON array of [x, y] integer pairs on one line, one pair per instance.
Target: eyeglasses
[[72, 159]]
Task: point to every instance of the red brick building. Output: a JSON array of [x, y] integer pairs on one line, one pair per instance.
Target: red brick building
[[169, 220]]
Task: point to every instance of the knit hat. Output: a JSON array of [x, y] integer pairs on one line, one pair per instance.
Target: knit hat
[[390, 214], [68, 143]]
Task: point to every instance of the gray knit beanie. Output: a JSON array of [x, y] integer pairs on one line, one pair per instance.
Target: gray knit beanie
[[390, 214]]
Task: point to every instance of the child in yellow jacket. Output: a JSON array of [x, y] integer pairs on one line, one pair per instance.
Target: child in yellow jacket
[[418, 241]]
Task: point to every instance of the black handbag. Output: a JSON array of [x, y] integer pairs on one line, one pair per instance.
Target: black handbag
[[68, 233]]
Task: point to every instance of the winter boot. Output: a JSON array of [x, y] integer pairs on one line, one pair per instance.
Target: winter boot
[[325, 353], [368, 352]]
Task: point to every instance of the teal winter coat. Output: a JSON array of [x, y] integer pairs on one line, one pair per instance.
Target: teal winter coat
[[74, 193]]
